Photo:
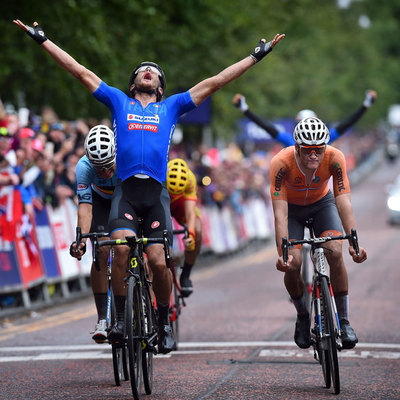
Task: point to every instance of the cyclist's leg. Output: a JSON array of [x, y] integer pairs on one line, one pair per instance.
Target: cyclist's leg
[[123, 222], [157, 219], [294, 283], [98, 279]]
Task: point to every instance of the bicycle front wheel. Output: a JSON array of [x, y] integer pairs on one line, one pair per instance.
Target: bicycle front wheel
[[331, 334], [150, 339], [134, 332], [320, 334]]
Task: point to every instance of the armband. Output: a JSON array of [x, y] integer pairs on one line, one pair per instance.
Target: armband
[[260, 51], [36, 33]]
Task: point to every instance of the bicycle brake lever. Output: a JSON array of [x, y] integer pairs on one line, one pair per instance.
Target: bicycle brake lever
[[78, 240], [285, 247], [354, 241]]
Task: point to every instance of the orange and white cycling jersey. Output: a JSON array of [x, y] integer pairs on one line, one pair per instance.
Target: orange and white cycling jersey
[[288, 181], [178, 200]]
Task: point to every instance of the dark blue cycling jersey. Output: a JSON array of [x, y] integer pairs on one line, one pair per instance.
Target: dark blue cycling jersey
[[88, 180], [143, 135]]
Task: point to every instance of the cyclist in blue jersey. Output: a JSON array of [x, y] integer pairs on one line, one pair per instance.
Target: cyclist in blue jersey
[[143, 125], [286, 138], [95, 183]]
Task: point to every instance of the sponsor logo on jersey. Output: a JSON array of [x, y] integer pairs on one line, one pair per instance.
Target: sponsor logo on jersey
[[278, 179], [82, 186], [150, 119], [316, 179], [297, 180], [135, 126], [128, 216], [155, 224], [340, 180]]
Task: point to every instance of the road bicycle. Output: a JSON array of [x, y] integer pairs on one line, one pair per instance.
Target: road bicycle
[[325, 331], [119, 351], [177, 301], [140, 330]]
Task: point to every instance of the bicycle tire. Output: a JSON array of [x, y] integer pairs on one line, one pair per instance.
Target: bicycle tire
[[149, 327], [174, 315], [320, 342], [133, 333], [307, 273], [332, 345], [120, 366]]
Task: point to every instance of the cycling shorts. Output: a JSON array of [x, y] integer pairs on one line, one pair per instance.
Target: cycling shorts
[[100, 211], [324, 213], [144, 198]]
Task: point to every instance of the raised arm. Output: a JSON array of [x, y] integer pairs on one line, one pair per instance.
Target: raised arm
[[210, 85], [90, 80], [240, 101], [347, 123]]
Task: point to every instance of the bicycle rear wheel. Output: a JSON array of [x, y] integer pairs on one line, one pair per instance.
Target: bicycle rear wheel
[[150, 334], [331, 334], [134, 331]]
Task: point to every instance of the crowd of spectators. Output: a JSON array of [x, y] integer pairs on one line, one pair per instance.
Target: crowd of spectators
[[39, 153]]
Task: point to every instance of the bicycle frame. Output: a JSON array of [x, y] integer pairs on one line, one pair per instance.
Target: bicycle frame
[[325, 331]]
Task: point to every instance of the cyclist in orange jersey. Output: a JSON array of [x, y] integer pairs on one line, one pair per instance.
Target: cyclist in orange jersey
[[299, 191], [182, 188]]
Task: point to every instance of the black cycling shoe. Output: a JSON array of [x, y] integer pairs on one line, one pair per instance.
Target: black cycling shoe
[[166, 341], [116, 333], [302, 335], [186, 287], [348, 336]]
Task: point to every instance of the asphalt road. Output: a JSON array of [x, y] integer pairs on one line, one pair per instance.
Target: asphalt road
[[236, 331]]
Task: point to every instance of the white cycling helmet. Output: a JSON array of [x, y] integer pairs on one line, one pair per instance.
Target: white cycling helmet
[[100, 146], [305, 114], [311, 132]]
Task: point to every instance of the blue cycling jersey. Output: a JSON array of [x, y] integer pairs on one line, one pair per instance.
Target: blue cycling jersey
[[287, 140], [143, 135], [88, 180]]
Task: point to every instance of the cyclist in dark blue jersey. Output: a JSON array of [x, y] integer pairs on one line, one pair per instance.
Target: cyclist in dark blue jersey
[[286, 138], [95, 183], [143, 126]]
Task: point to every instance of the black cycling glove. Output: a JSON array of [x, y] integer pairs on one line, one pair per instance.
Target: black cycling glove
[[36, 33], [72, 252], [260, 51]]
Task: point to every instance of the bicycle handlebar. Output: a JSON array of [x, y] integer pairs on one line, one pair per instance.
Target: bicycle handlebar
[[351, 237], [185, 231], [133, 241], [94, 236]]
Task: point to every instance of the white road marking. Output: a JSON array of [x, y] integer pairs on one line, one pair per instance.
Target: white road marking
[[269, 349]]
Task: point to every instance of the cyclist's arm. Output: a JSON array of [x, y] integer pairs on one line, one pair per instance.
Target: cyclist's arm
[[266, 125], [85, 217], [347, 123], [190, 214], [345, 209], [209, 86], [280, 209], [90, 80]]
